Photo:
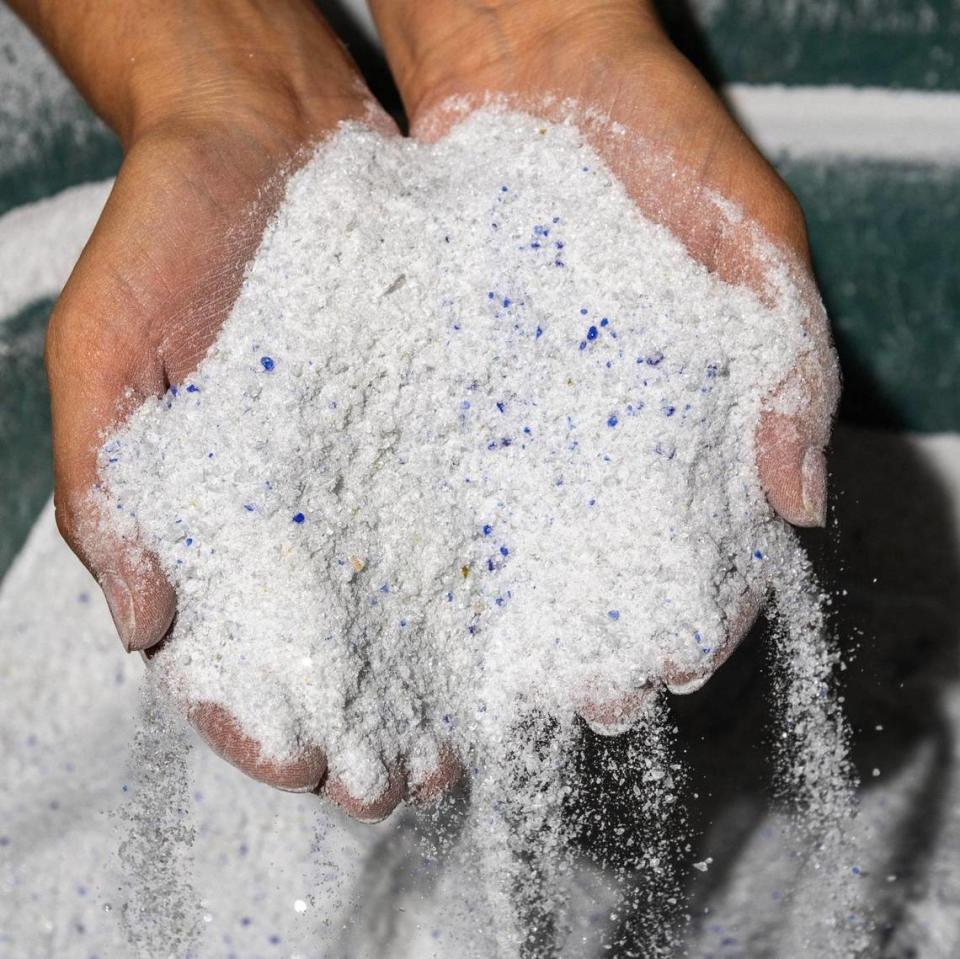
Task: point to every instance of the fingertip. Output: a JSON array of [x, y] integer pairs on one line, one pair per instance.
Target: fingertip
[[139, 596], [792, 470], [220, 731], [740, 621], [428, 785], [141, 601], [616, 716], [368, 811]]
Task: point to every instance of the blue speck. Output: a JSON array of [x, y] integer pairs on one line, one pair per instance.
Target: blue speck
[[298, 518], [558, 262], [487, 529], [506, 302], [465, 405], [503, 189], [613, 614], [504, 551], [669, 410], [757, 554], [604, 322], [539, 332], [189, 541], [489, 565], [267, 363], [697, 638], [583, 344], [491, 295], [385, 588], [592, 333], [655, 359], [249, 507], [855, 870], [173, 390], [526, 430], [500, 407], [449, 597], [612, 422], [193, 389], [583, 311], [210, 456], [559, 244]]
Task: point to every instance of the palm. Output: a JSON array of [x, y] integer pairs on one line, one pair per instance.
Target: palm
[[687, 164]]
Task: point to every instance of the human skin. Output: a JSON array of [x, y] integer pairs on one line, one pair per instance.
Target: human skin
[[216, 100], [215, 103], [677, 152]]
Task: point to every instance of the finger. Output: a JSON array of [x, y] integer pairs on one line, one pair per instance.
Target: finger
[[682, 681], [138, 313], [771, 257], [104, 358], [223, 735], [431, 773], [99, 366], [365, 809], [611, 717], [792, 435]]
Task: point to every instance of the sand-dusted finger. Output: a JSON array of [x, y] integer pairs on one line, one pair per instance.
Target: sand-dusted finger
[[223, 735]]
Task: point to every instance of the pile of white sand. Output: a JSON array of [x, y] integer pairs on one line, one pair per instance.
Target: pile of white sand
[[474, 448], [475, 434]]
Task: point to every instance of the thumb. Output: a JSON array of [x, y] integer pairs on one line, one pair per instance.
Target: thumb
[[795, 426], [99, 369]]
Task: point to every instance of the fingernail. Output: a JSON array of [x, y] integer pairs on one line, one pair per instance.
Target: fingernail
[[813, 479], [120, 601], [611, 729], [690, 686]]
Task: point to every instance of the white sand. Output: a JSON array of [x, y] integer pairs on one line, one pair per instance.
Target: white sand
[[68, 686]]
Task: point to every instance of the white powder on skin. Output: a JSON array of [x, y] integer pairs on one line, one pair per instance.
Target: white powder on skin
[[475, 445]]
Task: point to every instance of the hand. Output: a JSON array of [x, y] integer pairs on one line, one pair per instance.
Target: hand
[[214, 110], [612, 56]]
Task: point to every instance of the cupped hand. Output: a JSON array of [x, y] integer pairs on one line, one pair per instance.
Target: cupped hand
[[212, 133], [685, 162]]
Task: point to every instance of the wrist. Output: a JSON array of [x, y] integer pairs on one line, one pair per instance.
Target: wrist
[[149, 63], [443, 48], [284, 74]]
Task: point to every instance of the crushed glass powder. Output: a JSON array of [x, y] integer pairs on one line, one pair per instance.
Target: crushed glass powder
[[475, 445]]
